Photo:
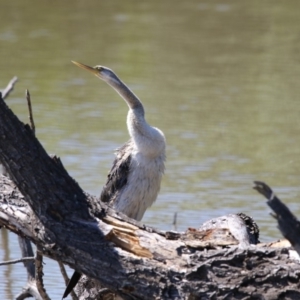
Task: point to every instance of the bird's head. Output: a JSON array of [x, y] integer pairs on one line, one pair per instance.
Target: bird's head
[[101, 72]]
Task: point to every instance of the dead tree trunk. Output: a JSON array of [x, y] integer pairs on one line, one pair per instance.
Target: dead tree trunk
[[44, 204]]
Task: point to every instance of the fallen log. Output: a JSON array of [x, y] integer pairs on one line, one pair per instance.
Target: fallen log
[[47, 206]]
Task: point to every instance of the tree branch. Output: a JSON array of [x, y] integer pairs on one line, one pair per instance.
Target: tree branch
[[39, 274], [287, 222], [15, 261], [28, 98], [5, 92]]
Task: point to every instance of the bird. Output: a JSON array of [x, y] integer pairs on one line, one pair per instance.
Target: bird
[[134, 180]]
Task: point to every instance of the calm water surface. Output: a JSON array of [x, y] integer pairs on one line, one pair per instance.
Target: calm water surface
[[220, 78]]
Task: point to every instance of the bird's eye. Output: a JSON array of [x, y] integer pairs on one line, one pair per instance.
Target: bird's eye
[[99, 68]]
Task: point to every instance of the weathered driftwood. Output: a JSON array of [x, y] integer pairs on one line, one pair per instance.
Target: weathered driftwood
[[128, 258]]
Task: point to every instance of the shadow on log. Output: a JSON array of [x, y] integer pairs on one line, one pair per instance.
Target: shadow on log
[[45, 205]]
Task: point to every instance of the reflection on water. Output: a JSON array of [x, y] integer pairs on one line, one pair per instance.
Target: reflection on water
[[219, 78]]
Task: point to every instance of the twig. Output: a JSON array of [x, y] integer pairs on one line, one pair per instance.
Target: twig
[[175, 222], [5, 92], [9, 87], [66, 279], [15, 261], [63, 272], [30, 112], [39, 274]]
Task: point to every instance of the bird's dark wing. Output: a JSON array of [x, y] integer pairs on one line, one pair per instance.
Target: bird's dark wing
[[117, 177]]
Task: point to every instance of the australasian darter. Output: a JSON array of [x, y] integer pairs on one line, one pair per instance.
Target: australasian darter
[[134, 180]]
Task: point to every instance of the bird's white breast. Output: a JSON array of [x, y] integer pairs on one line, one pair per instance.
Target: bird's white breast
[[146, 166], [142, 186]]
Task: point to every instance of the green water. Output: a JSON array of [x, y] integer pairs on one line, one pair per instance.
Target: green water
[[220, 78]]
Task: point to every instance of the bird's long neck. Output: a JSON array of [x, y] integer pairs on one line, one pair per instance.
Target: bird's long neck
[[147, 140], [136, 122], [130, 98]]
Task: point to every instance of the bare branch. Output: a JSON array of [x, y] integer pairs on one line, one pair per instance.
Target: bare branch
[[5, 92], [15, 261], [287, 222], [28, 98], [39, 274]]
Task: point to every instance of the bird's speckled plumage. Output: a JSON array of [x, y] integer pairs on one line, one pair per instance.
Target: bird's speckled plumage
[[117, 177]]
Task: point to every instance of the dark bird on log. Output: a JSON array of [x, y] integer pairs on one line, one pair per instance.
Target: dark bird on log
[[134, 180]]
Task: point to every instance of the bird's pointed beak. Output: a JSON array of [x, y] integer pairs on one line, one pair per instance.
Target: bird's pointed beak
[[85, 67]]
